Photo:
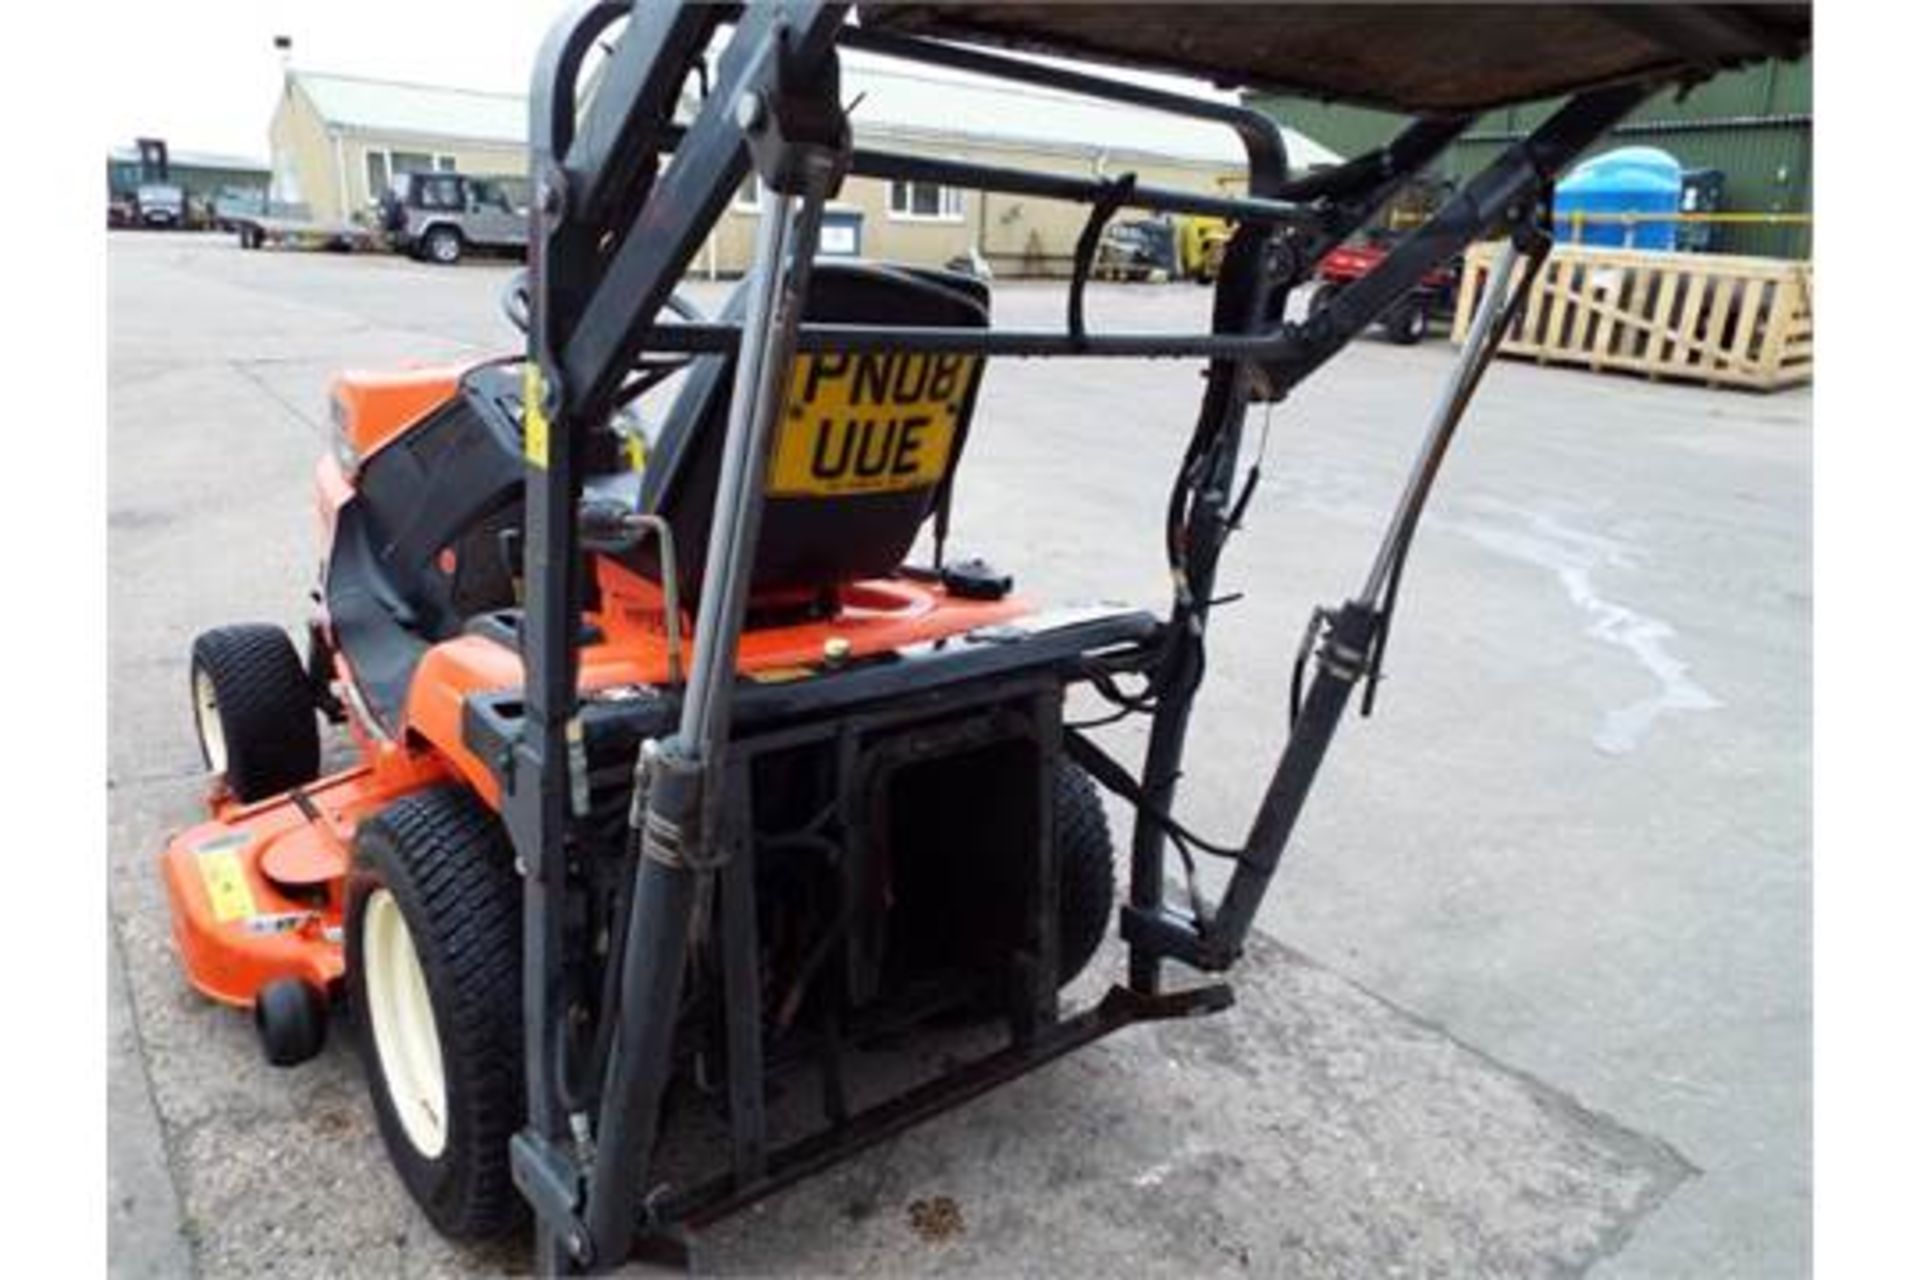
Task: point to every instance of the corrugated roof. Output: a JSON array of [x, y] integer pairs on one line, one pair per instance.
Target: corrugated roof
[[194, 159], [388, 106], [923, 103]]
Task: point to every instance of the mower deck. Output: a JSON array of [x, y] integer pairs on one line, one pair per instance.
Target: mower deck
[[256, 890]]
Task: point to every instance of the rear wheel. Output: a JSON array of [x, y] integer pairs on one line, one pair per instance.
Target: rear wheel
[[442, 245], [253, 709], [433, 973], [1085, 850]]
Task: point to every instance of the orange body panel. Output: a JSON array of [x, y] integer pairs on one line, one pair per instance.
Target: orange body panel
[[372, 408], [258, 891], [331, 489], [879, 616]]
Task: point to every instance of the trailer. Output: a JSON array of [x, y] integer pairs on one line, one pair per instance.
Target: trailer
[[266, 230]]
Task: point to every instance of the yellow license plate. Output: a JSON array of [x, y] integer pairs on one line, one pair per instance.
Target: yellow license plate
[[857, 424]]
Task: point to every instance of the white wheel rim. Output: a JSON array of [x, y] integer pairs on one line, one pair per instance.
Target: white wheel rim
[[404, 1038], [444, 248], [206, 719]]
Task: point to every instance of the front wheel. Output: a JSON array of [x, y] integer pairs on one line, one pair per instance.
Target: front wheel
[[253, 708], [1408, 325], [433, 973]]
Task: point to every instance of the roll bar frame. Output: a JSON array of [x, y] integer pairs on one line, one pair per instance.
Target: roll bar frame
[[624, 198]]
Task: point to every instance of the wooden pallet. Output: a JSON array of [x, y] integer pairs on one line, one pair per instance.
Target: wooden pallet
[[1725, 321]]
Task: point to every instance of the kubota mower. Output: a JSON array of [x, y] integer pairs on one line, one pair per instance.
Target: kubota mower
[[678, 769]]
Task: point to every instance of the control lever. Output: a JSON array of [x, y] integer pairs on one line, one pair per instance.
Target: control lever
[[609, 527]]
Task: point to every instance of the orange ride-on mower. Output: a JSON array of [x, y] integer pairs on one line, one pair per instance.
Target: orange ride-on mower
[[675, 774]]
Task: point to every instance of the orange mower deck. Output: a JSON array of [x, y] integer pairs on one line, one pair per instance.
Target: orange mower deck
[[256, 890]]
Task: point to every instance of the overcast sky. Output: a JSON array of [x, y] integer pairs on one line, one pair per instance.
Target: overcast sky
[[204, 75], [209, 81]]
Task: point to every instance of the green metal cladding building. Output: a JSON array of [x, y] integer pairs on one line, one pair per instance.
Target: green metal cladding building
[[1755, 126]]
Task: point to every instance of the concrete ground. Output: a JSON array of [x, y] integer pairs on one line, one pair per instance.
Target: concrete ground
[[1534, 993]]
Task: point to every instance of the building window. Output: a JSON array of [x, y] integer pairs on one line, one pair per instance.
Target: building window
[[376, 175], [410, 162], [926, 202], [747, 198], [444, 164]]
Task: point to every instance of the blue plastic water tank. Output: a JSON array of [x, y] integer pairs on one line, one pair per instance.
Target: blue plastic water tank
[[1642, 181]]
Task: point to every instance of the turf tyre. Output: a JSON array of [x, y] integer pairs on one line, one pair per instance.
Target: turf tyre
[[444, 860], [1084, 847], [291, 1020], [254, 710]]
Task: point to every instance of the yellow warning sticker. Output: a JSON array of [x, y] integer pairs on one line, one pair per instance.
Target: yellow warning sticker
[[870, 423], [225, 882], [533, 417]]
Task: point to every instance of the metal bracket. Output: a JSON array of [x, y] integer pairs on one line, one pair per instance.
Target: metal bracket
[[795, 122], [1170, 934], [673, 823], [551, 1185]]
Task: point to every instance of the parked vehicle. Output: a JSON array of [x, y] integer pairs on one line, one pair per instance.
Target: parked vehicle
[[290, 224], [1408, 321], [438, 217], [1142, 249], [1430, 300], [160, 205], [235, 205]]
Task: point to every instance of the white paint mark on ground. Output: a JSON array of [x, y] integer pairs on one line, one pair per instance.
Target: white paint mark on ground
[[1153, 1176], [1572, 556]]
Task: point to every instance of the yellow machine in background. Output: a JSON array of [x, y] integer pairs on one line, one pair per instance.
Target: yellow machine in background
[[1200, 241]]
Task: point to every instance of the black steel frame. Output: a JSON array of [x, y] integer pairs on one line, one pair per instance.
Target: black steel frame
[[624, 199]]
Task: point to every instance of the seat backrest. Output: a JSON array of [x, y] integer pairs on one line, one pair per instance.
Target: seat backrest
[[861, 449]]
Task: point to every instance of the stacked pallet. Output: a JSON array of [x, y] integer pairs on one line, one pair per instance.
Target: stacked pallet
[[1724, 321]]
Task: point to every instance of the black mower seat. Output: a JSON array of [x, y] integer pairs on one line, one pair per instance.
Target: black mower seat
[[863, 446], [856, 473]]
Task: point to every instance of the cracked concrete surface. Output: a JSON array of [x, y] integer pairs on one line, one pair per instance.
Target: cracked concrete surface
[[1608, 1070]]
